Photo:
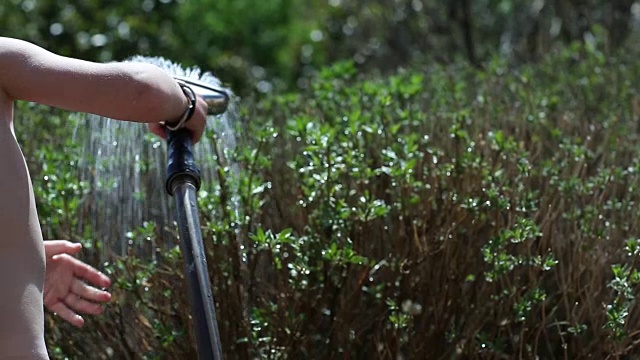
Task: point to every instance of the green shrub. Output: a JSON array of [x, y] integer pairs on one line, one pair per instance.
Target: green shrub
[[439, 212]]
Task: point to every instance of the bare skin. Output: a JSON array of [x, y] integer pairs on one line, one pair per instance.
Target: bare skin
[[124, 91], [71, 287]]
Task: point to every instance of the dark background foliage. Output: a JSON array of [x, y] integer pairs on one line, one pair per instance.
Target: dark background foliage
[[282, 41]]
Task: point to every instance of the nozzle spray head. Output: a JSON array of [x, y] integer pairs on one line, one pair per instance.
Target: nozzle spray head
[[217, 99]]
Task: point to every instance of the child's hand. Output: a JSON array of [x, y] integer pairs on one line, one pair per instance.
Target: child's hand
[[70, 285], [195, 125]]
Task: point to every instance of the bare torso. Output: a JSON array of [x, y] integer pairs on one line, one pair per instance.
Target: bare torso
[[22, 262]]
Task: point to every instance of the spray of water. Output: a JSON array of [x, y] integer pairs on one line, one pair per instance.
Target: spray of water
[[125, 165]]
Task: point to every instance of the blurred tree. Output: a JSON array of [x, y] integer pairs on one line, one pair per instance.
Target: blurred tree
[[385, 34], [265, 45], [247, 39], [242, 41], [89, 29]]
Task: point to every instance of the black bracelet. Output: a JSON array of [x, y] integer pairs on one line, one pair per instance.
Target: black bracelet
[[188, 114]]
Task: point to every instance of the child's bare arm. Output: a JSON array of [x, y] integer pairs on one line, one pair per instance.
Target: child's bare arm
[[124, 91]]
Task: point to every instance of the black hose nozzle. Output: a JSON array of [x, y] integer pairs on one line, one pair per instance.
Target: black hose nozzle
[[181, 165]]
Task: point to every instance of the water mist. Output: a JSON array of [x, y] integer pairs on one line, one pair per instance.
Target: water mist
[[124, 166]]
